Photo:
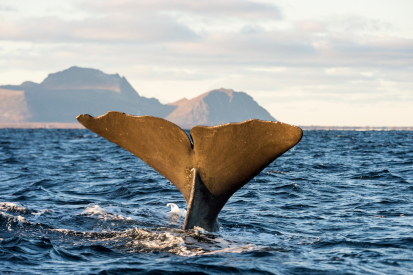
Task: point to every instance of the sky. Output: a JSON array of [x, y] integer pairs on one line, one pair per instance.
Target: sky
[[319, 62]]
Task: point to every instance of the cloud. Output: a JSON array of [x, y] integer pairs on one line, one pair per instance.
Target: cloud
[[356, 24], [310, 26], [211, 8], [112, 28], [162, 45], [142, 21], [252, 29], [309, 42], [7, 8]]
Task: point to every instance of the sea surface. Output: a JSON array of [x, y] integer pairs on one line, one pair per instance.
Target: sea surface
[[340, 202]]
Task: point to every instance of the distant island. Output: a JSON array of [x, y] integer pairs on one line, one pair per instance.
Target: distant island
[[64, 95], [58, 99]]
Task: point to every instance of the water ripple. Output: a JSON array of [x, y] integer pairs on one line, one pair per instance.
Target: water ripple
[[339, 203]]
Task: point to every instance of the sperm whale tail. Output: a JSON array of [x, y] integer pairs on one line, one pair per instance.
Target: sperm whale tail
[[219, 161]]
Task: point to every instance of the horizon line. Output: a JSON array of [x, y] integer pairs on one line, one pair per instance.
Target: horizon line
[[75, 125]]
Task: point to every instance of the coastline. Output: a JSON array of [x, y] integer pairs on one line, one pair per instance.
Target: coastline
[[357, 128], [39, 125], [74, 125]]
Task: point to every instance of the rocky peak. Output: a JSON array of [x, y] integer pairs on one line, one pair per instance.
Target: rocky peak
[[77, 78], [217, 107]]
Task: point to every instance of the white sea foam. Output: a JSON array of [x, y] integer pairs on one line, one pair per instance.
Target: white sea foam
[[19, 220], [235, 249], [64, 231], [199, 229], [10, 206], [41, 212], [178, 242], [144, 240], [176, 210], [107, 213], [13, 207], [184, 243], [175, 241]]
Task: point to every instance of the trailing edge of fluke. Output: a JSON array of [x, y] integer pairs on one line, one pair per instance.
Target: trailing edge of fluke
[[208, 171]]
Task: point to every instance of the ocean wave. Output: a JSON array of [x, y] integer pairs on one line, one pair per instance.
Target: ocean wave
[[60, 216]]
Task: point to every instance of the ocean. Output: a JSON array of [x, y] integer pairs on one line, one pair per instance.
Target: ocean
[[340, 202]]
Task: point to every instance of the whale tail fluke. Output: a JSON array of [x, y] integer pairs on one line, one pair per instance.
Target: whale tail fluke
[[208, 171]]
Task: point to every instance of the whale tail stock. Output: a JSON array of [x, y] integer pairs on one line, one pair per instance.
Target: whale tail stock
[[220, 160]]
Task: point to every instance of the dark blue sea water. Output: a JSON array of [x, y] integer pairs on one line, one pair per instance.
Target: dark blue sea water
[[340, 202]]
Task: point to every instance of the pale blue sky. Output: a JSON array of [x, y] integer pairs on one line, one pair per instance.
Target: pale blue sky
[[313, 62]]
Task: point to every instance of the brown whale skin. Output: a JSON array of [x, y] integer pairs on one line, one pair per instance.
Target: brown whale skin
[[208, 171]]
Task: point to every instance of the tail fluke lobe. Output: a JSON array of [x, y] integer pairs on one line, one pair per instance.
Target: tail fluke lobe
[[208, 172], [161, 144], [228, 156]]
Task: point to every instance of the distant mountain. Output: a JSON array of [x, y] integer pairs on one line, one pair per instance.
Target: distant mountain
[[217, 107], [64, 95], [13, 106]]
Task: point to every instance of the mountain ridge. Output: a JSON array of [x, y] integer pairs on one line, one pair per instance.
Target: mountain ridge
[[63, 95], [215, 107]]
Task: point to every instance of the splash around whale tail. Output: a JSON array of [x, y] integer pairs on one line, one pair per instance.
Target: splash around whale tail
[[220, 160]]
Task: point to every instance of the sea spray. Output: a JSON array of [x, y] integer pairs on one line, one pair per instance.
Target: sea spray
[[176, 210]]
